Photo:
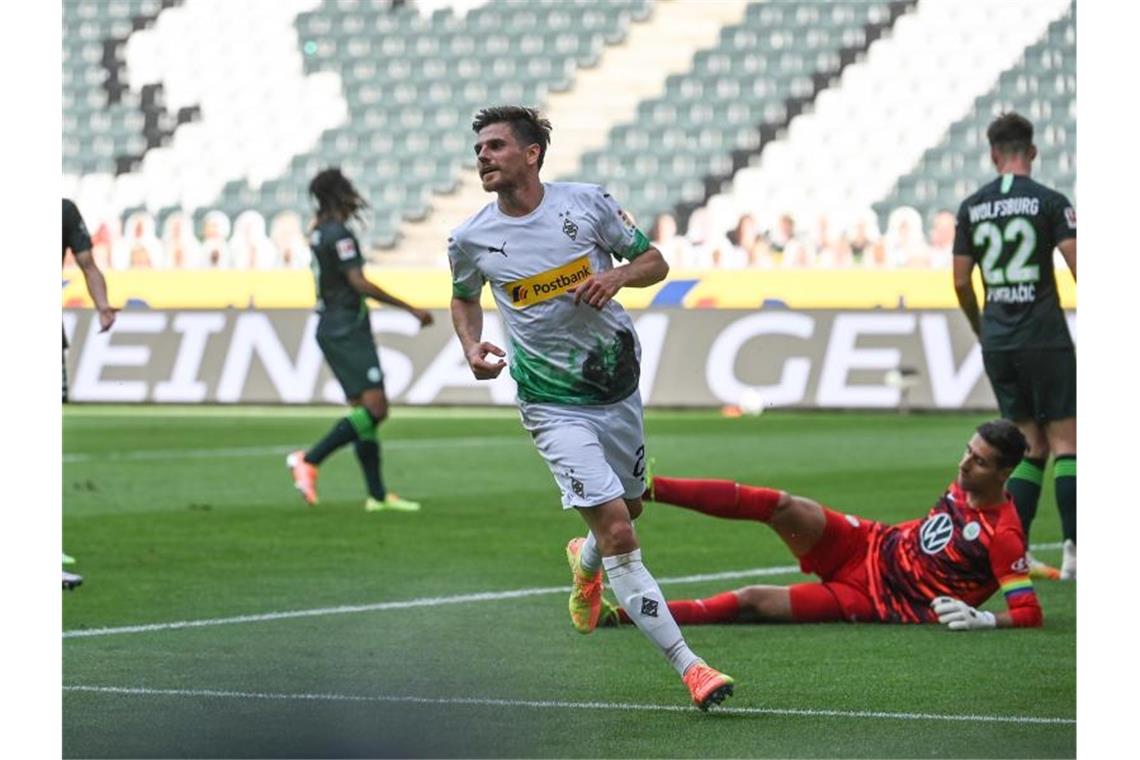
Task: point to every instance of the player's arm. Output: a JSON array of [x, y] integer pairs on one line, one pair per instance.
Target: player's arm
[[1068, 250], [615, 231], [1064, 218], [467, 314], [365, 287], [649, 268], [96, 288], [964, 273], [1010, 566], [467, 318], [964, 288]]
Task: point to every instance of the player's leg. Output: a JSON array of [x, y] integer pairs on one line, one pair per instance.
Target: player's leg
[[1024, 484], [1057, 385], [797, 520], [636, 589], [751, 604], [622, 433], [352, 358], [1012, 383], [1063, 442], [640, 596], [367, 444], [582, 447]]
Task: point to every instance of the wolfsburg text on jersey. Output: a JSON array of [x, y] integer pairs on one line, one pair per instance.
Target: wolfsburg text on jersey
[[1004, 207], [549, 284]]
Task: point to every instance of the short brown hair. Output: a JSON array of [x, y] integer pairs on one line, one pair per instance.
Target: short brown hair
[[1007, 439], [1010, 133], [528, 125]]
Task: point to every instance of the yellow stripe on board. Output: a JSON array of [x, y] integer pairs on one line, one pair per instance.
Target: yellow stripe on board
[[726, 289]]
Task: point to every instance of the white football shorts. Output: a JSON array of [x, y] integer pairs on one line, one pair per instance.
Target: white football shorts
[[595, 453]]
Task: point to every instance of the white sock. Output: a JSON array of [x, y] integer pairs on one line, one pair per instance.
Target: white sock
[[590, 557], [643, 601]]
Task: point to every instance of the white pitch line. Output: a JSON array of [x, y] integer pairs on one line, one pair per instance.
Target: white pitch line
[[564, 705], [431, 601]]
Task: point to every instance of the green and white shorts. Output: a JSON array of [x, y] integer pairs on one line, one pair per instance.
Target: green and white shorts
[[595, 453]]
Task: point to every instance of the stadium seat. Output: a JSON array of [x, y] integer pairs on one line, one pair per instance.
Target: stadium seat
[[1042, 86]]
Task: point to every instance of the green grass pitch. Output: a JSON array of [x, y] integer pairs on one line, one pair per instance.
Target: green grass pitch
[[188, 515]]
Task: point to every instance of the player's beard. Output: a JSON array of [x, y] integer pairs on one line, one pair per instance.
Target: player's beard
[[499, 184]]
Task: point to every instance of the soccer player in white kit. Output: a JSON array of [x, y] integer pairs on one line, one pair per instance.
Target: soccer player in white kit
[[546, 248]]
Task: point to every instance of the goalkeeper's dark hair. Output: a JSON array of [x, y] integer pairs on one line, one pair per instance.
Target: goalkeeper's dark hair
[[527, 124], [1009, 442], [336, 196], [1011, 133]]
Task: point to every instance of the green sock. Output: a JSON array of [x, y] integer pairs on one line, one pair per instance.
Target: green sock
[[346, 430], [1065, 488], [1024, 485]]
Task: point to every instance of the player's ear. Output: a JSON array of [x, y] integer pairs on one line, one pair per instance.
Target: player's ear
[[1004, 473], [1032, 153], [533, 153]]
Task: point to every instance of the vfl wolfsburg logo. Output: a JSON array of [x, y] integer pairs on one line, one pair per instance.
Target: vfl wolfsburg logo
[[936, 533]]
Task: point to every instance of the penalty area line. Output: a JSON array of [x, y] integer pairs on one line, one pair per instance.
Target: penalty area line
[[561, 705]]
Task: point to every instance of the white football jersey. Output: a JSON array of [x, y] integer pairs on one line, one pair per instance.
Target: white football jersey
[[559, 352]]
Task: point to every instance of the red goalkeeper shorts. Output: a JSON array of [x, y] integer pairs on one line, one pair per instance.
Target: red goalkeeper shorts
[[838, 559]]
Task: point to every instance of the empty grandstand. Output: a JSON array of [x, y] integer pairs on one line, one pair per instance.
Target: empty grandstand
[[202, 110]]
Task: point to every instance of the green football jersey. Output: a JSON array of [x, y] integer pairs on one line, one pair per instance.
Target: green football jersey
[[1010, 227], [335, 252]]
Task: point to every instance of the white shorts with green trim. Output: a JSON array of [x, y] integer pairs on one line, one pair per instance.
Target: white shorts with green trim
[[595, 453]]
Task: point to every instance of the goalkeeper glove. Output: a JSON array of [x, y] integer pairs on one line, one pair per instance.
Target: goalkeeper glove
[[960, 616]]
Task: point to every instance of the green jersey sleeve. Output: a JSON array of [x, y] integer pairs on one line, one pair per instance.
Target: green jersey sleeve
[[615, 231]]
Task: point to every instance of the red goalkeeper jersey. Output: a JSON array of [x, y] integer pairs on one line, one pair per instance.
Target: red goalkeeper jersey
[[956, 551]]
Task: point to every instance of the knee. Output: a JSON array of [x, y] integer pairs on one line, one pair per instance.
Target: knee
[[616, 537], [761, 603], [786, 503], [377, 409]]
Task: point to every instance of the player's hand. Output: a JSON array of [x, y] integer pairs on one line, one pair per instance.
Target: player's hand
[[106, 318], [424, 316], [477, 360], [960, 616], [598, 289]]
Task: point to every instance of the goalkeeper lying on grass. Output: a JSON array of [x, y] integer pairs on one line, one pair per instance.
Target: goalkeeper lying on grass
[[937, 569]]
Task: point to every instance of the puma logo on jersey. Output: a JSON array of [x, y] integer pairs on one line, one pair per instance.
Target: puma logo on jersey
[[493, 249]]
